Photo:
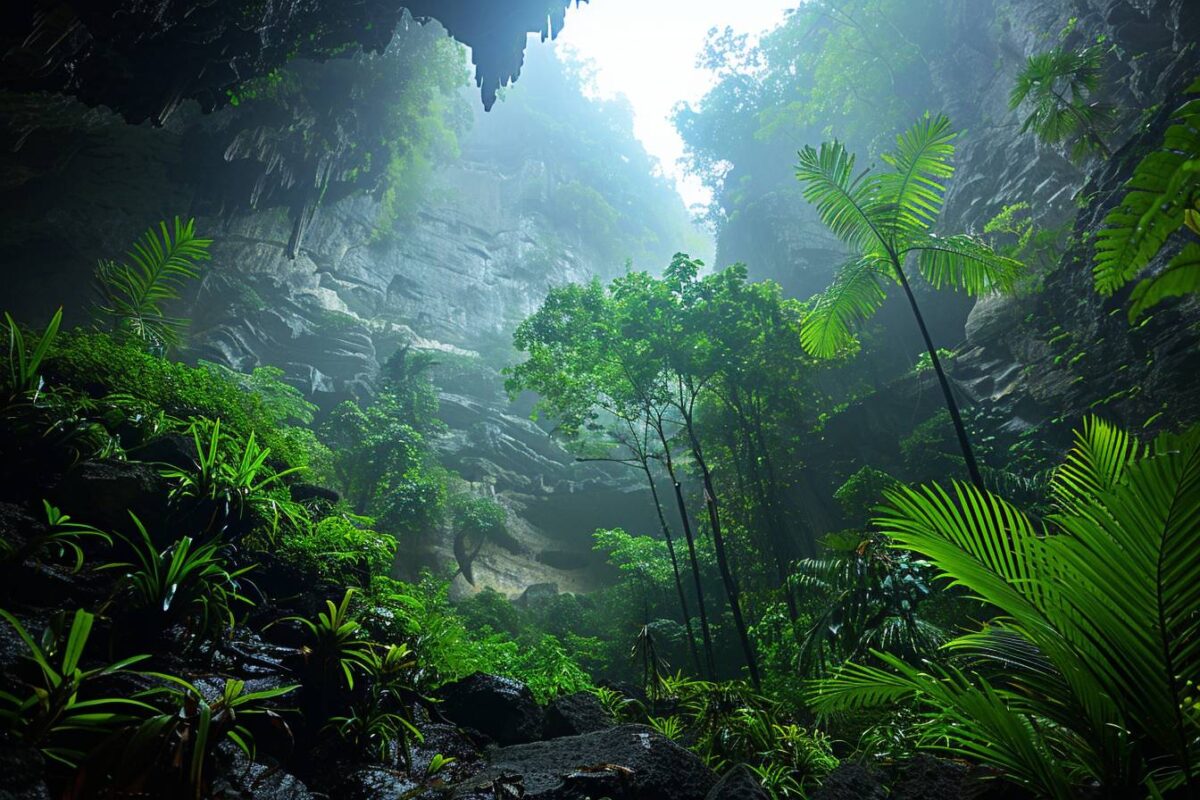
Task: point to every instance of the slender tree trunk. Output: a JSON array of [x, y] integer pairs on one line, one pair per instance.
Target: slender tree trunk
[[683, 607], [731, 589], [706, 634], [951, 405]]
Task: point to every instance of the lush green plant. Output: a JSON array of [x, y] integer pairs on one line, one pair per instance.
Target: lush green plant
[[186, 583], [864, 596], [133, 294], [885, 218], [859, 493], [340, 548], [437, 764], [236, 479], [58, 711], [25, 356], [1060, 87], [336, 649], [382, 718], [279, 401], [99, 365], [59, 537], [1084, 676], [184, 738], [1162, 197]]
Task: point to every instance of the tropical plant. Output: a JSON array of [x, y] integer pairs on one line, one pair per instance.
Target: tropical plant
[[1162, 197], [233, 477], [340, 548], [133, 293], [1060, 86], [59, 537], [57, 711], [671, 727], [885, 218], [438, 763], [185, 584], [25, 356], [382, 718], [1085, 677], [184, 738], [865, 597], [335, 650]]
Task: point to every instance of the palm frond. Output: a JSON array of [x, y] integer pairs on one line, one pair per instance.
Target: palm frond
[[158, 265], [1094, 465], [856, 293], [846, 202], [964, 262], [913, 190]]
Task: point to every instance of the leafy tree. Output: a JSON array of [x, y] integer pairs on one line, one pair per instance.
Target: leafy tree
[[133, 293], [885, 218], [1162, 197], [1086, 676], [1059, 85]]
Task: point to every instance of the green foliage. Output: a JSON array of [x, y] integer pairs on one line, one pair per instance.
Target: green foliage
[[278, 400], [339, 549], [381, 720], [233, 477], [187, 735], [25, 356], [885, 218], [864, 598], [59, 537], [1083, 676], [1162, 197], [336, 649], [1060, 87], [861, 491], [60, 707], [134, 293], [186, 584], [100, 365]]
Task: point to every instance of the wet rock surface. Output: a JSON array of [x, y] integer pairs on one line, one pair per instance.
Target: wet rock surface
[[575, 714], [501, 709], [738, 783]]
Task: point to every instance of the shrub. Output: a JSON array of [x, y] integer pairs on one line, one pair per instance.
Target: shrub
[[340, 549]]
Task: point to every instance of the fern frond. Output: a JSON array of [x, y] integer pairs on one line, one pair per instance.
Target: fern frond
[[1180, 277], [1159, 194], [964, 262], [856, 293]]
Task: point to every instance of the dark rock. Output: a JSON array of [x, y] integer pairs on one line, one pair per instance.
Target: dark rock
[[631, 762], [738, 783], [449, 742], [575, 714], [174, 449], [501, 709], [930, 778], [103, 493], [22, 771], [851, 782], [537, 594], [375, 783], [244, 778]]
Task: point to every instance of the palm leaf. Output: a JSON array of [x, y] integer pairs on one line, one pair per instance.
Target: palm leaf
[[964, 262], [913, 190], [1094, 465], [856, 293], [847, 203]]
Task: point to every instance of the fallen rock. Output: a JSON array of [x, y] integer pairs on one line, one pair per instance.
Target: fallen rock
[[102, 493], [501, 709], [631, 762], [739, 783], [575, 714]]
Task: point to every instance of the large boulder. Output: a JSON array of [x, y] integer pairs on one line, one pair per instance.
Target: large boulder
[[631, 762], [739, 783], [501, 709], [103, 493], [851, 781], [575, 714]]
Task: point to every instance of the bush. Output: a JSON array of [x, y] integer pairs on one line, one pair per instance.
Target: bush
[[340, 549]]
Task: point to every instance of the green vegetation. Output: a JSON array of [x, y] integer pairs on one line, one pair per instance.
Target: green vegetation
[[1060, 87]]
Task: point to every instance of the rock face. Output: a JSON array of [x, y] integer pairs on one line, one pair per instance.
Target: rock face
[[738, 784], [575, 714], [631, 762]]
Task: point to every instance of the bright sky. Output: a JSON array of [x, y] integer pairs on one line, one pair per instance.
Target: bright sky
[[647, 49]]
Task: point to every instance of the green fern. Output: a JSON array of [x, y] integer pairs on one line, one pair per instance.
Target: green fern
[[133, 294], [1161, 198]]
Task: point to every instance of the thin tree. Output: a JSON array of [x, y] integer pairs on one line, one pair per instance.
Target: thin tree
[[885, 218]]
